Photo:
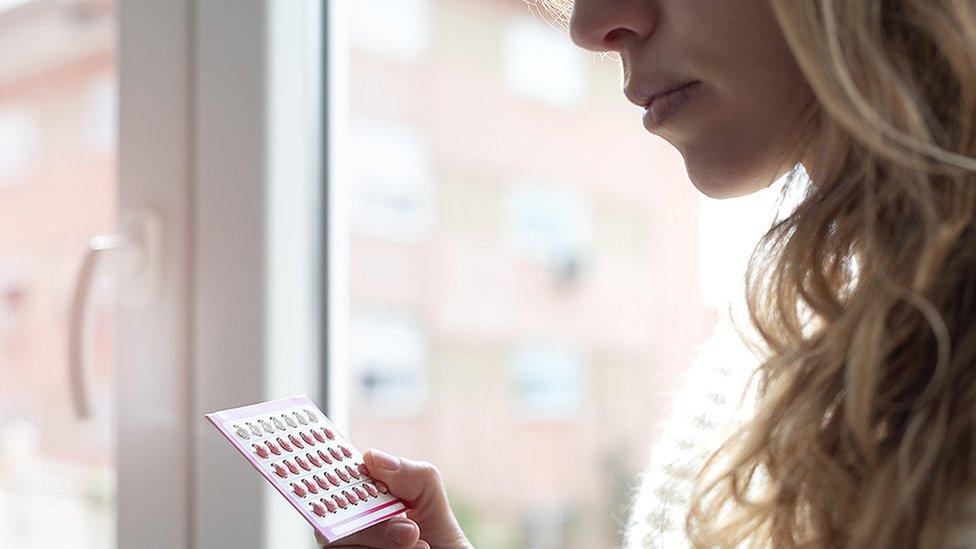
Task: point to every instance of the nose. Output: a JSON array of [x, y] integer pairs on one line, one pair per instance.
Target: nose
[[609, 25]]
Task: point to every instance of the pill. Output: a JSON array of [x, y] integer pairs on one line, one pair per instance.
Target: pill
[[360, 492], [280, 471], [371, 489], [261, 450], [274, 449], [321, 482], [267, 426], [242, 432], [289, 421], [332, 478], [278, 423], [335, 453], [345, 451], [318, 436], [294, 440], [299, 491], [284, 444], [353, 472], [349, 497], [313, 460], [325, 457], [328, 504], [342, 474], [254, 429], [311, 486], [291, 467], [301, 419], [338, 499], [318, 509], [381, 487], [303, 463], [362, 468]]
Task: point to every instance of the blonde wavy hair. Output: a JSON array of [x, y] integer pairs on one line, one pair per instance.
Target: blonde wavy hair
[[864, 296]]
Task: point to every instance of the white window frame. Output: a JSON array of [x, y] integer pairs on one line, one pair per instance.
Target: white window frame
[[207, 118]]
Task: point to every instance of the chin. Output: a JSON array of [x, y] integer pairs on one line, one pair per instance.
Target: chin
[[724, 183]]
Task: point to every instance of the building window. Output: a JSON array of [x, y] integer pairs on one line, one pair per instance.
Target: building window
[[399, 29], [393, 196], [552, 224], [100, 116], [13, 294], [543, 64], [548, 381], [19, 141], [389, 361]]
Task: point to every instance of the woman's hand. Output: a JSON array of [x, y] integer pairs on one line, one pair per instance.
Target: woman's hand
[[429, 523]]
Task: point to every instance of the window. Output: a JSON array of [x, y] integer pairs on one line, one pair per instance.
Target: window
[[393, 190], [543, 64], [551, 224], [398, 29], [548, 381], [100, 116], [13, 292], [220, 138], [19, 141], [390, 360]]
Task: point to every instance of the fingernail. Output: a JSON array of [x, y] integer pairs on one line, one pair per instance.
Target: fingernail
[[400, 532], [384, 460]]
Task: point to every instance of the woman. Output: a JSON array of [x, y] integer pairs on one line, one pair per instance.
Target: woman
[[864, 296]]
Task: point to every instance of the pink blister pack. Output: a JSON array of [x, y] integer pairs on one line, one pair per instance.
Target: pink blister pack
[[300, 452]]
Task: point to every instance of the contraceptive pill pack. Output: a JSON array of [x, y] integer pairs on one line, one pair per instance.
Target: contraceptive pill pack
[[300, 452]]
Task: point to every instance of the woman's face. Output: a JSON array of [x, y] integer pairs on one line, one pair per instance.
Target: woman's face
[[734, 124]]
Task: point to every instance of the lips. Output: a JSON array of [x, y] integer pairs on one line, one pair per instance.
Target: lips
[[643, 95]]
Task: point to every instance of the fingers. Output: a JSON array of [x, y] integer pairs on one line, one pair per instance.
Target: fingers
[[395, 533], [420, 545], [414, 481]]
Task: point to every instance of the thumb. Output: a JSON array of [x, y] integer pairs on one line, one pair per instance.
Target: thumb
[[418, 482]]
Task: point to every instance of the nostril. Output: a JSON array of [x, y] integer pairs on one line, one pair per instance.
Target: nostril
[[615, 37]]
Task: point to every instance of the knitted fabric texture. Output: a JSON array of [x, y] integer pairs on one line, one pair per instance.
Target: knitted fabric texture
[[704, 409]]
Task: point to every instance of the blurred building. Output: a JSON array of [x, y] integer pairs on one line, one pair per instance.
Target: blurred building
[[57, 188], [523, 266]]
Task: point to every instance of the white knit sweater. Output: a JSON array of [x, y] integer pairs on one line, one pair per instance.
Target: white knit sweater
[[703, 409]]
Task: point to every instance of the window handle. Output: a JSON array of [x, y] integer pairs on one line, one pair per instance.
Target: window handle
[[132, 256]]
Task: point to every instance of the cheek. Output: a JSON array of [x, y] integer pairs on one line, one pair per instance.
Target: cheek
[[755, 93], [741, 135], [743, 129]]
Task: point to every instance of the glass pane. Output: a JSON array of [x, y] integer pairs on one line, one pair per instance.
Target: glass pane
[[532, 277], [57, 189]]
